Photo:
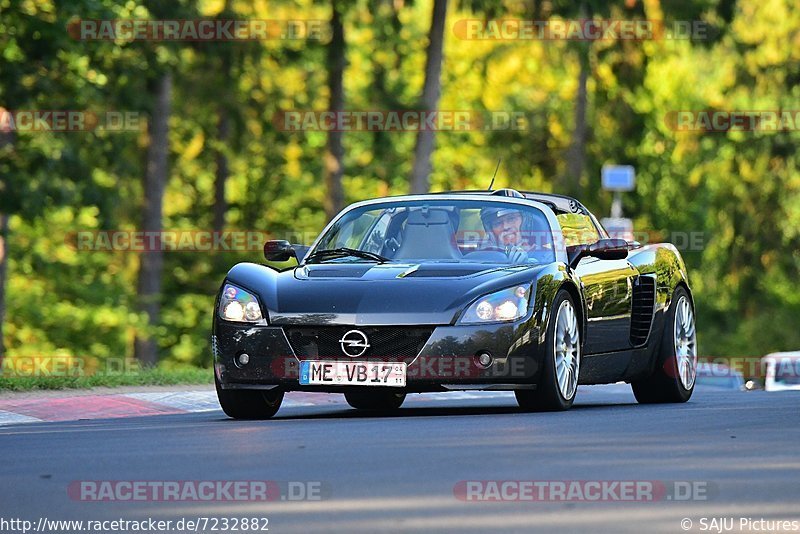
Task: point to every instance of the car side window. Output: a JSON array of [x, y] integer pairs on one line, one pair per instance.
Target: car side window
[[577, 229]]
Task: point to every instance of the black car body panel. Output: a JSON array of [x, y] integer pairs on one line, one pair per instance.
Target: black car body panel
[[372, 294]]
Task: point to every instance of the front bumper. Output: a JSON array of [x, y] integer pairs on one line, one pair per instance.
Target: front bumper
[[447, 359]]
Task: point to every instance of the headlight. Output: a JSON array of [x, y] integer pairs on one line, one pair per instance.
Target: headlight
[[506, 305], [238, 305]]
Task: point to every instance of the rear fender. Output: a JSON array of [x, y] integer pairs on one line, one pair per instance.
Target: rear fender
[[665, 262]]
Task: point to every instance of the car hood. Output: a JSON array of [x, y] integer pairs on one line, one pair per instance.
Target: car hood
[[375, 294]]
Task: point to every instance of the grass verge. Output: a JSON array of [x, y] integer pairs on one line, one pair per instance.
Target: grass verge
[[153, 376]]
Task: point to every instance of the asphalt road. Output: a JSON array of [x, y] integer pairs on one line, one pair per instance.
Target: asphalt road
[[407, 472]]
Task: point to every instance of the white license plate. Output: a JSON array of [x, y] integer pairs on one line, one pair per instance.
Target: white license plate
[[352, 373]]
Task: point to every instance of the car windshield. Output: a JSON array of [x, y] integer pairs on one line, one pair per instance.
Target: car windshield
[[460, 231]]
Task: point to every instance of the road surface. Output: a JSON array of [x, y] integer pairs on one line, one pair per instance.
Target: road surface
[[429, 467]]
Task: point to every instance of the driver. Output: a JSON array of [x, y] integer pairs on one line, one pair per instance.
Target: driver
[[505, 230]]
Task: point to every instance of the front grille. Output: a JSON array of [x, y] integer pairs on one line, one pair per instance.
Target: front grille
[[387, 343], [644, 298]]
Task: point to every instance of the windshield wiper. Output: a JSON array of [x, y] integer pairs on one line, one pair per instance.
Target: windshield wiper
[[344, 252]]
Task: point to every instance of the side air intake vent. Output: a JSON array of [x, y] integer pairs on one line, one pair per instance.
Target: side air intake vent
[[644, 299]]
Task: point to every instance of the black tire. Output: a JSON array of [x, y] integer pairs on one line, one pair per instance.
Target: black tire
[[249, 403], [380, 400], [547, 396], [664, 384]]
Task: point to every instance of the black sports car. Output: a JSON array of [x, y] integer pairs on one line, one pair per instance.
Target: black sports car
[[489, 290]]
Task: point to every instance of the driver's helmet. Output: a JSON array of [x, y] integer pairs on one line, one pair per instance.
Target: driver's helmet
[[491, 214]]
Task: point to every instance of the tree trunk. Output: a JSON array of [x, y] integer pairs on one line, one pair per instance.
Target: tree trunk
[[334, 155], [221, 176], [576, 154], [6, 138], [3, 271], [426, 139], [156, 174]]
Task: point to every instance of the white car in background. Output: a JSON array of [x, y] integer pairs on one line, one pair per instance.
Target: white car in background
[[782, 371]]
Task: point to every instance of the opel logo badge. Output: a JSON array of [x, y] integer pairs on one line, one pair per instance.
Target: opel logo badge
[[354, 343]]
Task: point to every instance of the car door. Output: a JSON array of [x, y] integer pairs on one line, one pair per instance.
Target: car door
[[607, 287]]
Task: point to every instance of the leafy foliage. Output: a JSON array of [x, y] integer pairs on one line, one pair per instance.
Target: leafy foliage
[[739, 190]]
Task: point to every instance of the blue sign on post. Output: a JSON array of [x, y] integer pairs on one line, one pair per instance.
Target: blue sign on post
[[618, 177]]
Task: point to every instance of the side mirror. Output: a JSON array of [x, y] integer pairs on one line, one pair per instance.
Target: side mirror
[[605, 249], [609, 249], [278, 250]]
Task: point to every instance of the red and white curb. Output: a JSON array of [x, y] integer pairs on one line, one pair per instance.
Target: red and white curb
[[83, 407], [51, 408]]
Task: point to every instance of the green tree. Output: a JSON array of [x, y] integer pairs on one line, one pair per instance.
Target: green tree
[[429, 100]]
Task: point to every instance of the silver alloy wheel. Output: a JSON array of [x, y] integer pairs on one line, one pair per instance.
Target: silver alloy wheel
[[685, 342], [567, 350]]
